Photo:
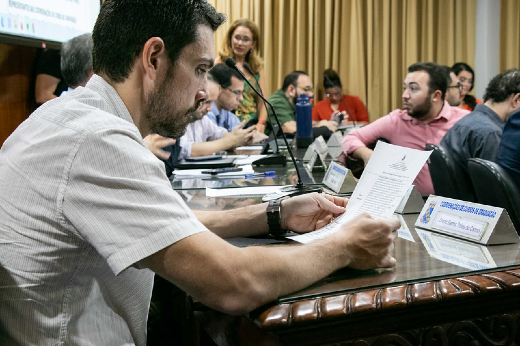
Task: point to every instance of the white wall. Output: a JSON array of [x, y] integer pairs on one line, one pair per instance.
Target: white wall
[[487, 48]]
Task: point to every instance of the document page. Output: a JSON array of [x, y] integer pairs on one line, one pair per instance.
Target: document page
[[385, 180]]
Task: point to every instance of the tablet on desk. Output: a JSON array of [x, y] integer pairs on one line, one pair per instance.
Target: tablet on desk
[[216, 163], [204, 158]]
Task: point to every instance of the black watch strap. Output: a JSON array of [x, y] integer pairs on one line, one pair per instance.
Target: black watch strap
[[274, 217]]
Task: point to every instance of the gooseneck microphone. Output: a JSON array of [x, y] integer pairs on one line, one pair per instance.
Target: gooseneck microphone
[[299, 188]]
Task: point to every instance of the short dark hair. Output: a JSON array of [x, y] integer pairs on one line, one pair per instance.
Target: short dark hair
[[502, 86], [76, 60], [331, 79], [437, 75], [292, 79], [447, 71], [221, 73], [123, 27]]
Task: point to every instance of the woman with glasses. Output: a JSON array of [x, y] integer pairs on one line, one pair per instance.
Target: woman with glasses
[[466, 78], [242, 44], [343, 109]]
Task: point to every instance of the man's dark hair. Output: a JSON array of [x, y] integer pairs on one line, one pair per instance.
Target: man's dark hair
[[221, 73], [292, 79], [123, 27], [437, 80], [447, 71], [502, 86], [76, 60], [331, 79]]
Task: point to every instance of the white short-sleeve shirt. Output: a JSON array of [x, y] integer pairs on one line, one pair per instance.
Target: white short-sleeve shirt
[[82, 201]]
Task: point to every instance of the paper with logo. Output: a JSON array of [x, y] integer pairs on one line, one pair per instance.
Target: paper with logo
[[385, 180]]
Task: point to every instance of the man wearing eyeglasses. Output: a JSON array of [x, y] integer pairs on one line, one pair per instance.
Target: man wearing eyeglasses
[[284, 101], [454, 88], [478, 134], [425, 117], [231, 89]]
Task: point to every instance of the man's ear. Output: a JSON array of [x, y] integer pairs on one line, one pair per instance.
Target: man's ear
[[515, 101], [291, 90], [436, 96], [154, 58]]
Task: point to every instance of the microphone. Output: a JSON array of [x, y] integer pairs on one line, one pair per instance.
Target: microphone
[[299, 188], [266, 146]]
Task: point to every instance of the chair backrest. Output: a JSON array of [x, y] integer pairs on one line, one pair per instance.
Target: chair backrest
[[494, 186], [447, 178]]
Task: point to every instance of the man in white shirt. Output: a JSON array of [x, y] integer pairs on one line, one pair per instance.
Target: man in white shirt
[[88, 216]]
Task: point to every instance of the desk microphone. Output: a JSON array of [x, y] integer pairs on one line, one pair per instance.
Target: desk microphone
[[299, 188]]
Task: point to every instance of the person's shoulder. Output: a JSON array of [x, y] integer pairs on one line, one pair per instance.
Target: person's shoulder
[[352, 98], [320, 104], [456, 113], [398, 114], [277, 96], [84, 111]]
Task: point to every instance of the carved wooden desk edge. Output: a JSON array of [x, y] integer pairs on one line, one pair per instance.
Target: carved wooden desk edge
[[388, 299]]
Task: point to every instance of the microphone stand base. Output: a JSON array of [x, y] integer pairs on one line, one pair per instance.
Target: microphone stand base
[[291, 191]]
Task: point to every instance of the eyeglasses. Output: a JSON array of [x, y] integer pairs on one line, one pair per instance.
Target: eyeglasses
[[244, 39], [458, 86], [306, 89], [236, 92], [334, 94]]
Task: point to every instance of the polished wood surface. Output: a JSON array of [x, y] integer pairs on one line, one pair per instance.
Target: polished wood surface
[[16, 86], [424, 300]]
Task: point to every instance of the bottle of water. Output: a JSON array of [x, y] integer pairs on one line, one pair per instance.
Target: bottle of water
[[303, 122]]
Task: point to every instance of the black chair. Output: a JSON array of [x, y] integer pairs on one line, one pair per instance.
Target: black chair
[[494, 186], [448, 179]]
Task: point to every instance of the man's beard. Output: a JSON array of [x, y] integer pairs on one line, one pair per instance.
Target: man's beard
[[164, 118], [421, 110]]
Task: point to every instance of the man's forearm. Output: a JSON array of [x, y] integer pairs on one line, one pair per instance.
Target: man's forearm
[[241, 222], [238, 280], [362, 153], [208, 148], [289, 127]]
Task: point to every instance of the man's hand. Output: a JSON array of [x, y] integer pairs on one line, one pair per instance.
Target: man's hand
[[258, 136], [331, 125], [155, 143], [309, 212], [368, 243], [240, 136]]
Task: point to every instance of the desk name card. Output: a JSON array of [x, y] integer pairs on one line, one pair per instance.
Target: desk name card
[[475, 222], [339, 179]]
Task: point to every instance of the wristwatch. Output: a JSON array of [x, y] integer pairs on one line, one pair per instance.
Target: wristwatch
[[274, 217]]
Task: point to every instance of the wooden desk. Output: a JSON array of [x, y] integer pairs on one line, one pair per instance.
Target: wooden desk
[[423, 300]]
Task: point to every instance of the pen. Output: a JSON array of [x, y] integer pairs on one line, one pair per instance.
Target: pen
[[268, 173]]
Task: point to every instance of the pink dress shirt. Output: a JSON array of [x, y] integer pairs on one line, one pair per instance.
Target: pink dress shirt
[[401, 129]]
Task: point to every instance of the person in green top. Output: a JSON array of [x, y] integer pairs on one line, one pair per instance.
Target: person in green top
[[284, 101], [242, 44]]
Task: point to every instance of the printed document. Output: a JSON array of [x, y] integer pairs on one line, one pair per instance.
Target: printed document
[[385, 180]]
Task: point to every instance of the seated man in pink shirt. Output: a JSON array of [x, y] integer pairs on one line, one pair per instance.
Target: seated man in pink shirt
[[425, 118]]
